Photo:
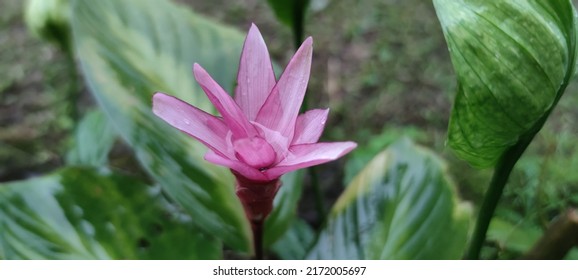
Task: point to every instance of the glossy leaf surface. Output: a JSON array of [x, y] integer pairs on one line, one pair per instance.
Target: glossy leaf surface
[[402, 205], [81, 213], [513, 60]]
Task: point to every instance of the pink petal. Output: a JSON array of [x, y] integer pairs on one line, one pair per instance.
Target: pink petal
[[242, 168], [230, 111], [282, 106], [279, 142], [255, 152], [206, 128], [306, 155], [255, 78], [309, 126]]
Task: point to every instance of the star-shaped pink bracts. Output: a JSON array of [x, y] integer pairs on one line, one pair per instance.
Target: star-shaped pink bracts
[[260, 135]]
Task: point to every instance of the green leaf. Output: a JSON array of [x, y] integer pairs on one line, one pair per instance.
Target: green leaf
[[401, 206], [295, 243], [93, 140], [572, 254], [364, 153], [287, 11], [513, 60], [130, 49], [83, 214], [518, 238], [285, 207], [49, 20]]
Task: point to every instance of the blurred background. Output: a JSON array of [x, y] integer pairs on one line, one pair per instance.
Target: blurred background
[[383, 68]]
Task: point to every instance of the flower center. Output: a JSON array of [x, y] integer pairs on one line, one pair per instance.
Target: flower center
[[255, 152]]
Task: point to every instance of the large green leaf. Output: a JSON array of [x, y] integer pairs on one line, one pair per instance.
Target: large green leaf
[[401, 206], [295, 243], [83, 214], [93, 140], [513, 60], [129, 50], [364, 153]]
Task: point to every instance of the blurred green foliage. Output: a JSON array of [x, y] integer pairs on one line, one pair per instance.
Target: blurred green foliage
[[80, 213], [35, 118], [543, 183], [49, 20], [94, 138]]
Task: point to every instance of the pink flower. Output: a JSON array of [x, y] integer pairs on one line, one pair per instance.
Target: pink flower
[[260, 135]]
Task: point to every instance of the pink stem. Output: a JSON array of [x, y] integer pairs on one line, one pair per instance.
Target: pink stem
[[257, 199]]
